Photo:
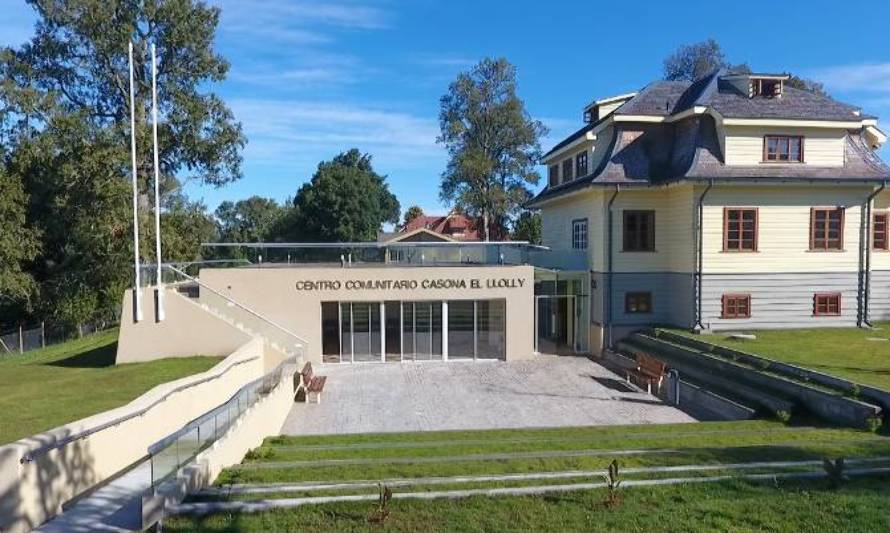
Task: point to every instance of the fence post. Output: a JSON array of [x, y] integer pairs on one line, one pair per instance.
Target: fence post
[[21, 340], [42, 334]]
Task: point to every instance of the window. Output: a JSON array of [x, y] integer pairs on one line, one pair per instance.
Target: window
[[581, 164], [828, 304], [639, 231], [638, 302], [827, 228], [768, 88], [579, 234], [567, 170], [477, 329], [739, 230], [553, 175], [736, 306], [879, 235], [778, 148]]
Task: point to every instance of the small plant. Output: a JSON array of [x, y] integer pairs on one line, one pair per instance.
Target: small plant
[[381, 513], [783, 416], [835, 471], [613, 481], [874, 423]]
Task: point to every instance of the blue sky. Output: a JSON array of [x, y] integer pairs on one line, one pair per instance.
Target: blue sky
[[311, 78]]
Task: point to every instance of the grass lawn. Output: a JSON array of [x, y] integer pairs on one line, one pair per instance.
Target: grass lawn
[[46, 388], [863, 505], [777, 505], [843, 352]]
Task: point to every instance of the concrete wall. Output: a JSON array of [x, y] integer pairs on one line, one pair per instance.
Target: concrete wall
[[33, 492], [187, 330], [272, 292]]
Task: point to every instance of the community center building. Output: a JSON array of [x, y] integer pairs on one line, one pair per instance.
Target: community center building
[[733, 202]]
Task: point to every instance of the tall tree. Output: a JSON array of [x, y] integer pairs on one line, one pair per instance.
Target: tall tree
[[693, 61], [493, 144], [346, 201], [78, 61], [413, 212], [255, 219], [18, 246], [64, 122], [527, 227]]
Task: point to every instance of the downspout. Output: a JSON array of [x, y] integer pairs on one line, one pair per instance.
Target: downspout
[[607, 297], [867, 243], [699, 258]]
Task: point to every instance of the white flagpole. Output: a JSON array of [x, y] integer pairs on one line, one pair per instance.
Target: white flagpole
[[138, 289], [159, 294]]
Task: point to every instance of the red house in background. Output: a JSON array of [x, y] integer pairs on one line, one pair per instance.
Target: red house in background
[[431, 228]]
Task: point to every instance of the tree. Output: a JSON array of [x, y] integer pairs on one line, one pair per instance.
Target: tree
[[346, 201], [250, 220], [18, 246], [528, 227], [691, 62], [64, 125], [493, 144], [413, 212], [77, 63]]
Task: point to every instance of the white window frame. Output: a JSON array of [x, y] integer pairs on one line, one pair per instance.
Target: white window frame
[[579, 234]]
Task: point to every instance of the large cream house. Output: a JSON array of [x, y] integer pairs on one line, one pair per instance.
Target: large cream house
[[731, 202]]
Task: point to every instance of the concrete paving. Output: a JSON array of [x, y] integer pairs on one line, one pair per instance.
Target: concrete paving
[[115, 507], [547, 391]]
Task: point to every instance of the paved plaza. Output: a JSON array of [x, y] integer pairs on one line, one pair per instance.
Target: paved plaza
[[548, 391]]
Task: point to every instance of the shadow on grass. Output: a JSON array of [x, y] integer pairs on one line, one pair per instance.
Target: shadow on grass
[[99, 357]]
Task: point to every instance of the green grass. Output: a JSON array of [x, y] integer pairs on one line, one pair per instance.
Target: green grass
[[711, 442], [46, 388], [862, 505], [784, 505], [843, 352]]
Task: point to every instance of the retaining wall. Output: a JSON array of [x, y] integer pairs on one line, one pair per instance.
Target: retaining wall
[[32, 492]]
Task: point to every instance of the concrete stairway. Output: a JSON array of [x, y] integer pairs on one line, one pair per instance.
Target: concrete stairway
[[753, 383]]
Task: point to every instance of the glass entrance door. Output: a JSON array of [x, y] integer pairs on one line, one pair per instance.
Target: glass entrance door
[[360, 331], [556, 324]]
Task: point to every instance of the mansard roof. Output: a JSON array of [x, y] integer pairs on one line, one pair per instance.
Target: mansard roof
[[652, 152]]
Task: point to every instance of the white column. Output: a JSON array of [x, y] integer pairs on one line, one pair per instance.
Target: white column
[[159, 290], [444, 330], [382, 332], [137, 296]]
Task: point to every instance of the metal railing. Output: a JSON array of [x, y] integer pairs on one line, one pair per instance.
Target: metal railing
[[169, 454], [404, 253], [34, 337], [245, 318]]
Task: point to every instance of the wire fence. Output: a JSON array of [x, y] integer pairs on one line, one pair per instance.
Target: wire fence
[[33, 337]]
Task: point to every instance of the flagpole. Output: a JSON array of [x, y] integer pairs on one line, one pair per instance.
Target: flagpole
[[159, 290], [138, 289]]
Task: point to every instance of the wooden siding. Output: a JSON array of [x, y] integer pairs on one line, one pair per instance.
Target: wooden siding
[[822, 147], [556, 222], [673, 208], [783, 229], [779, 300]]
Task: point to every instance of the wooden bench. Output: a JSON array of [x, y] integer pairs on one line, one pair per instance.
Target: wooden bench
[[309, 383], [649, 370]]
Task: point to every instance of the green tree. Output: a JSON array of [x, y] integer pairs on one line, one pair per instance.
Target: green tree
[[527, 227], [493, 145], [413, 212], [18, 246], [77, 62], [250, 220], [64, 123], [346, 201]]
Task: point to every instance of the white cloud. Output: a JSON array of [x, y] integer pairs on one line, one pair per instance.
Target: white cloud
[[865, 77], [290, 129]]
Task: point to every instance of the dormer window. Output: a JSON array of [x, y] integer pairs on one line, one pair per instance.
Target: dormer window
[[553, 175], [782, 149], [768, 88]]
